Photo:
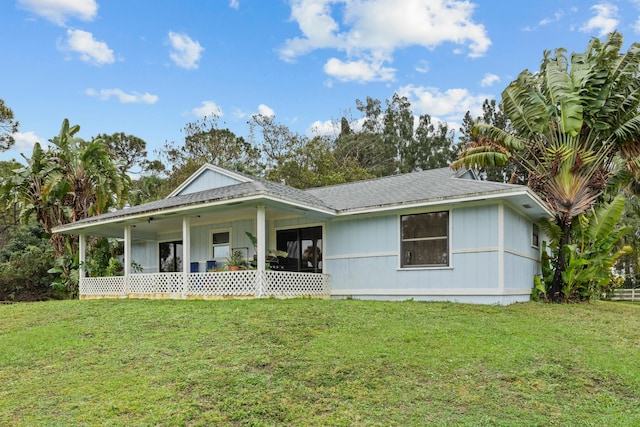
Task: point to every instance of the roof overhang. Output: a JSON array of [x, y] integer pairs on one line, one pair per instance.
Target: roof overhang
[[522, 199], [113, 225]]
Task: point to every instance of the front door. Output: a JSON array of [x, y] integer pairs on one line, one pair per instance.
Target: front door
[[303, 247], [170, 256]]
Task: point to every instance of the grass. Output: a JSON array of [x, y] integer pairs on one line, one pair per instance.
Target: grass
[[310, 362]]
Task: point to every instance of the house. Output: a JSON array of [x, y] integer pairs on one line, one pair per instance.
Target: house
[[433, 235]]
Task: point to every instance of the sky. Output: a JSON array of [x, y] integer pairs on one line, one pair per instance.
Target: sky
[[149, 67]]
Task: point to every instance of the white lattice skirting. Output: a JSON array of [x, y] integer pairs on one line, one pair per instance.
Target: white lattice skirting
[[226, 284]]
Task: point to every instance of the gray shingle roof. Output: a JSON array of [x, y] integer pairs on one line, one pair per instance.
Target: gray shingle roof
[[231, 192], [430, 185], [426, 186]]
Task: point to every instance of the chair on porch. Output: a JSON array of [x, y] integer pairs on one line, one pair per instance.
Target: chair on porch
[[211, 264]]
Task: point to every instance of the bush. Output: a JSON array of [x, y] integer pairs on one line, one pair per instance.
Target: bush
[[24, 265]]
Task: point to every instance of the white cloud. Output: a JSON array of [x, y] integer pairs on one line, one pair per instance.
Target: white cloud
[[422, 67], [449, 105], [58, 11], [208, 109], [238, 114], [265, 110], [371, 31], [360, 71], [25, 141], [489, 79], [90, 50], [605, 19], [556, 17], [185, 52], [327, 128], [234, 4], [123, 97]]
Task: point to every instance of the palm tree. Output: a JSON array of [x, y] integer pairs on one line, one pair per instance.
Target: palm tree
[[572, 123], [71, 180]]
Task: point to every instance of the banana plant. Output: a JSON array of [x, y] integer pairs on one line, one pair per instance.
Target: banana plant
[[572, 125]]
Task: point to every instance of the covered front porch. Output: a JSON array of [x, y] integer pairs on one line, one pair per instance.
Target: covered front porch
[[185, 254]]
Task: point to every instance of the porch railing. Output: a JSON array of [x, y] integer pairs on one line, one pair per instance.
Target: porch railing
[[225, 284]]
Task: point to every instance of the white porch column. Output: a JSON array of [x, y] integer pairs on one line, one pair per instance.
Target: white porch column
[[82, 249], [127, 258], [186, 254], [262, 244]]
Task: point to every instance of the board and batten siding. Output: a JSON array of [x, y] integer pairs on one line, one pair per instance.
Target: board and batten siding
[[362, 256], [208, 180], [145, 252], [522, 259]]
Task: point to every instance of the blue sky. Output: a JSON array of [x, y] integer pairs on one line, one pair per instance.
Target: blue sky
[[148, 67]]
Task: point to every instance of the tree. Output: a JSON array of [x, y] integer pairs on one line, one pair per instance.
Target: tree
[[365, 148], [24, 264], [127, 151], [277, 140], [433, 147], [571, 124], [492, 114], [70, 181], [315, 164], [8, 126], [394, 140], [9, 216], [204, 143], [300, 161]]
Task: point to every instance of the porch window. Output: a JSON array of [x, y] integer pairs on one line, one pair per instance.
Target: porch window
[[425, 240], [303, 247], [221, 245], [171, 256]]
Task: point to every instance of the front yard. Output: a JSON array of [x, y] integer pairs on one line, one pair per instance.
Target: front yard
[[314, 362]]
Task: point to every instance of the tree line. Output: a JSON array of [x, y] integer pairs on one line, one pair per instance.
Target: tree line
[[569, 131]]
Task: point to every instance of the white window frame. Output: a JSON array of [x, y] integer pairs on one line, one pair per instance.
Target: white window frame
[[211, 245], [449, 240], [535, 227]]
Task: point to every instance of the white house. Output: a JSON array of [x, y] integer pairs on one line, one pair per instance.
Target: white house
[[433, 235]]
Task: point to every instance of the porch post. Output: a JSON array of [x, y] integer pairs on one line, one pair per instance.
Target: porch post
[[127, 258], [262, 257], [82, 249], [186, 254]]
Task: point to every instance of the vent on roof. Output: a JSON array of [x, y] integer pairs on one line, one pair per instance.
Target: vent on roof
[[527, 206]]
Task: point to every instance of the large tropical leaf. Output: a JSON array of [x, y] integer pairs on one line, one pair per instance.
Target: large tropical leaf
[[562, 93], [605, 218], [525, 106]]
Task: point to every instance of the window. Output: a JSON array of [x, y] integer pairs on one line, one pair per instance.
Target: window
[[221, 242], [303, 247], [170, 256], [425, 240], [535, 237]]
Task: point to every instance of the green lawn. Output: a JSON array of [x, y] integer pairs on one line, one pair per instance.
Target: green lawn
[[311, 362]]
